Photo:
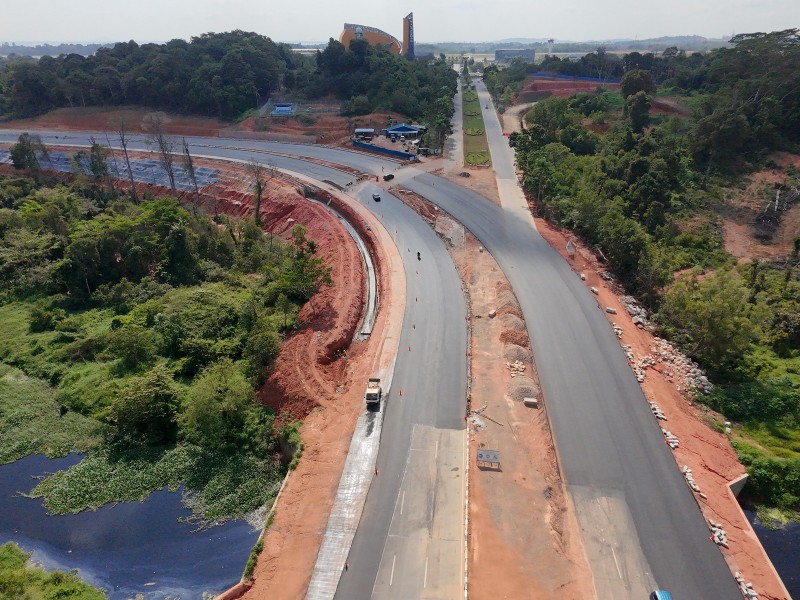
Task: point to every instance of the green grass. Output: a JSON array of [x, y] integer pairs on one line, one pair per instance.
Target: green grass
[[30, 420], [476, 146], [21, 582]]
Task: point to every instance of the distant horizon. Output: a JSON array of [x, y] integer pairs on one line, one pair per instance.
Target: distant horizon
[[423, 42]]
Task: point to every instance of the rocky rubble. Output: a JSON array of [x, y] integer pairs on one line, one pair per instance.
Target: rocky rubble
[[516, 368], [687, 475], [680, 369], [638, 314]]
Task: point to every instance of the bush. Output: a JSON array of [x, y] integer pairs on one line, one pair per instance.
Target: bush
[[44, 318]]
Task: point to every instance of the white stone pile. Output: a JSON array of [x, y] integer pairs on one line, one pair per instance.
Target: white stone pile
[[516, 368], [657, 412], [638, 314], [687, 475], [617, 329], [718, 535], [745, 587], [628, 352], [672, 441], [681, 370]]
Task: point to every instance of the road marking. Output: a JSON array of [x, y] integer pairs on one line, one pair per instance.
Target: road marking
[[425, 581], [616, 563], [436, 454], [391, 577], [402, 502]]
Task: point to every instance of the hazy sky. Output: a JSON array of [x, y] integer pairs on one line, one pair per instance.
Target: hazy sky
[[434, 20]]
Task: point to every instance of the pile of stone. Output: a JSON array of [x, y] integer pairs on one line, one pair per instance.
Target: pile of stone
[[745, 587], [687, 475], [628, 352], [681, 370], [657, 412], [617, 329], [672, 441], [718, 535], [638, 314], [516, 368]]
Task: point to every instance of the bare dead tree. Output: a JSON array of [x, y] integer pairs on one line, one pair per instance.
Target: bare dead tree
[[189, 166], [122, 133], [154, 126], [257, 172]]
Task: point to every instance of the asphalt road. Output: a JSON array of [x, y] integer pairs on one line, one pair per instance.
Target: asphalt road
[[610, 449], [618, 470], [413, 517]]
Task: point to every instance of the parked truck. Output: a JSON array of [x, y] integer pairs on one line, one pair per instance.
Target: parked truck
[[373, 394]]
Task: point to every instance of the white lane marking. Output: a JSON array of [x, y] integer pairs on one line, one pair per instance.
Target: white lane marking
[[425, 581], [436, 455], [614, 554], [391, 577], [402, 502]]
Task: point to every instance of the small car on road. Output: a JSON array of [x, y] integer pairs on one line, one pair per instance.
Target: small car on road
[[376, 197]]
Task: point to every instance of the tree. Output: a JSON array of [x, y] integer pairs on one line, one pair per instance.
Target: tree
[[257, 172], [23, 153], [710, 318], [147, 408], [263, 345], [188, 165], [637, 108], [98, 161], [304, 274], [133, 345], [637, 80], [122, 133], [217, 407], [154, 124]]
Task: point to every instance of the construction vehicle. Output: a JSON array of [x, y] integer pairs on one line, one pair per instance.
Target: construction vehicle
[[374, 392]]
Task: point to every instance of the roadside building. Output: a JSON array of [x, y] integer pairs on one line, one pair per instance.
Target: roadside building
[[405, 131], [363, 133]]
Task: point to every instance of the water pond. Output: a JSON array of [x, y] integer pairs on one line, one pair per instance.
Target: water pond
[[127, 549], [783, 549]]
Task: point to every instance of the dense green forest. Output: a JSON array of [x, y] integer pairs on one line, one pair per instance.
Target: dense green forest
[[642, 190], [139, 332], [224, 75]]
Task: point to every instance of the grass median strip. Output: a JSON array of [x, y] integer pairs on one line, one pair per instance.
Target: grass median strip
[[476, 146]]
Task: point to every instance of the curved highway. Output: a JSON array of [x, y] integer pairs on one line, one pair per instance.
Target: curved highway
[[410, 542], [641, 526]]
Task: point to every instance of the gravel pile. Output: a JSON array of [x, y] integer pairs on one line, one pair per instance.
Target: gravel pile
[[522, 387], [513, 323], [507, 304], [513, 353]]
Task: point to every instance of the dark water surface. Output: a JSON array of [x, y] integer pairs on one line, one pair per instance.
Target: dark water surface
[[128, 548], [783, 549]]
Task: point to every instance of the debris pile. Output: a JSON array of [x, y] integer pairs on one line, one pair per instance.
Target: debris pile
[[681, 370], [672, 441], [617, 329], [657, 412], [718, 535], [516, 368], [745, 587]]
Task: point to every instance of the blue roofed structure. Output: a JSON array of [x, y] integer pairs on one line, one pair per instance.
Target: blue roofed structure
[[283, 109], [404, 129]]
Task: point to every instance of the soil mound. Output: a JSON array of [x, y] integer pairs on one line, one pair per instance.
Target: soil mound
[[517, 338]]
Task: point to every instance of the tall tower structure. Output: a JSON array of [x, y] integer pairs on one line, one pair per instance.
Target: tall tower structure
[[408, 35]]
